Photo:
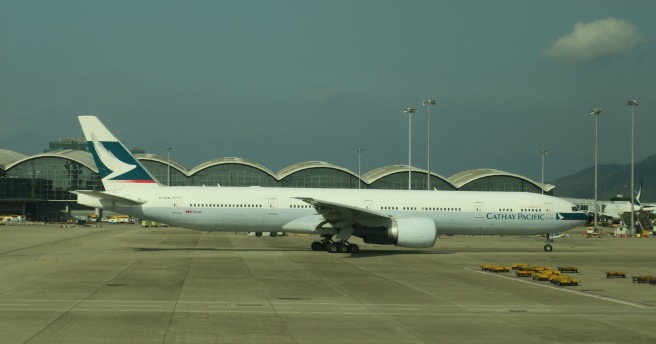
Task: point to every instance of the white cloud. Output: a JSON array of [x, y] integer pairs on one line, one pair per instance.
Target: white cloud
[[591, 42]]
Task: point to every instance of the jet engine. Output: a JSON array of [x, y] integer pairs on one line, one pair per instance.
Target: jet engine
[[415, 232]]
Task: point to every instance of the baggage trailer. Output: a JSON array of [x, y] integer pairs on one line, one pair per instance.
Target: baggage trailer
[[642, 279], [565, 280], [610, 274]]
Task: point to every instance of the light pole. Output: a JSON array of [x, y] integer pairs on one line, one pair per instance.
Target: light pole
[[409, 112], [543, 152], [427, 103], [360, 150], [595, 113], [632, 103], [168, 164]]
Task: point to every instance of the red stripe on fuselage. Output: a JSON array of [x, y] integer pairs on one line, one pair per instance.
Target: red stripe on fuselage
[[144, 181]]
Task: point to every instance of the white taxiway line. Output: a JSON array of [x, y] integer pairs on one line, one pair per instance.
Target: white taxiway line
[[605, 298]]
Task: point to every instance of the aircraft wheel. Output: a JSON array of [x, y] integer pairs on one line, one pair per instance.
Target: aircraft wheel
[[258, 234], [353, 248], [273, 234], [342, 247], [317, 246], [331, 247], [548, 248]]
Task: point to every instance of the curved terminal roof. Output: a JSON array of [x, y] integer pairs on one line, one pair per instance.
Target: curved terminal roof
[[163, 161], [291, 169], [466, 177], [203, 166], [231, 160], [385, 171], [81, 157], [8, 157]]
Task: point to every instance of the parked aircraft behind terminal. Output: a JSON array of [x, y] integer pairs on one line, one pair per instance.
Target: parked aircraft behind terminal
[[386, 217]]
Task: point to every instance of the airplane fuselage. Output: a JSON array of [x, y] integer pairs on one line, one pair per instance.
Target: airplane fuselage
[[271, 209]]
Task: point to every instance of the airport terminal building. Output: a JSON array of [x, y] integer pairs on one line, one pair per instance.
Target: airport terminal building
[[39, 186]]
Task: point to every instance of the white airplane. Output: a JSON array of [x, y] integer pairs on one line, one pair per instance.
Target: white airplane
[[615, 209], [386, 217]]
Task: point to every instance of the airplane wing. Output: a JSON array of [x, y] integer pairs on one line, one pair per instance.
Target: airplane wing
[[109, 197], [342, 215]]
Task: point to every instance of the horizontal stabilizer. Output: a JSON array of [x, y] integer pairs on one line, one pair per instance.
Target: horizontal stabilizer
[[100, 195]]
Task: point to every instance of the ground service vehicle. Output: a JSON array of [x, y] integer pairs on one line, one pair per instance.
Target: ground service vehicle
[[544, 275], [524, 273], [564, 280], [610, 274], [642, 279]]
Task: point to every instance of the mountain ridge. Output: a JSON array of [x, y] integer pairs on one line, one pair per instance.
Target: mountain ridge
[[613, 180]]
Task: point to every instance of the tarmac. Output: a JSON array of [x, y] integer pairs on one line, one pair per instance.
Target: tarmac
[[127, 284]]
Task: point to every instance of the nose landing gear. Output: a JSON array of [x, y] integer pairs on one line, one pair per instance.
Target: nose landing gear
[[547, 245]]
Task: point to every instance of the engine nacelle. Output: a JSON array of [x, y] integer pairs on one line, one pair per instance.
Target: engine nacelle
[[416, 232]]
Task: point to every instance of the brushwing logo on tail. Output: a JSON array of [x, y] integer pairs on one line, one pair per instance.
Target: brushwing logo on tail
[[110, 161]]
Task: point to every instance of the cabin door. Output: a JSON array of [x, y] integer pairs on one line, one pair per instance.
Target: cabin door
[[176, 205], [548, 209], [478, 210], [273, 206]]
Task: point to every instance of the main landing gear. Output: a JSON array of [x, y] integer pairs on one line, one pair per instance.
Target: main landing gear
[[547, 245], [331, 246]]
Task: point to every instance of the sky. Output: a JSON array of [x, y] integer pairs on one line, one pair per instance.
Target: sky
[[282, 82]]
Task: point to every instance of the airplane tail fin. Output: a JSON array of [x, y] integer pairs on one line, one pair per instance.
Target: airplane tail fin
[[118, 168], [636, 199]]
